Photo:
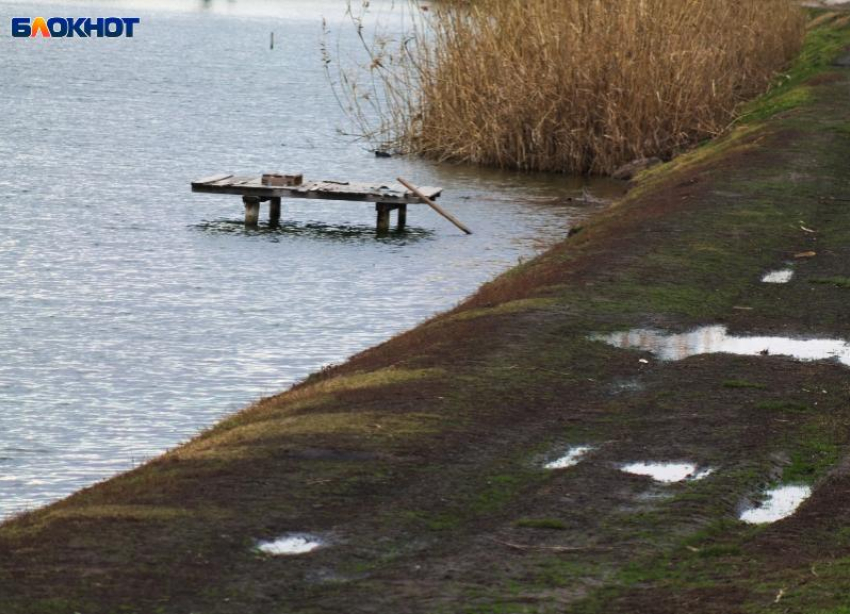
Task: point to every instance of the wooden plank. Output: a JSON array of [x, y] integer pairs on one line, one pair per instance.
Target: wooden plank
[[435, 206], [430, 191], [250, 181], [241, 180], [322, 190], [212, 179]]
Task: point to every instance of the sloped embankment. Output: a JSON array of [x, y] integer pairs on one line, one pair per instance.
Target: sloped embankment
[[413, 478]]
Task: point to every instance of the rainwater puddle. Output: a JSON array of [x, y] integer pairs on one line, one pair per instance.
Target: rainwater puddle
[[571, 458], [780, 503], [626, 386], [778, 277], [292, 544], [667, 472], [716, 339]]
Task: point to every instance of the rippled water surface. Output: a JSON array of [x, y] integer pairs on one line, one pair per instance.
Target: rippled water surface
[[136, 313]]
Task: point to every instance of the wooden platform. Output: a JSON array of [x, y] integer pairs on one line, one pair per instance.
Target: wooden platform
[[387, 197]]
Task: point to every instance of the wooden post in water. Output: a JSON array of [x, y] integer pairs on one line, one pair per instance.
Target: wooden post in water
[[274, 211], [252, 210], [383, 210], [402, 217]]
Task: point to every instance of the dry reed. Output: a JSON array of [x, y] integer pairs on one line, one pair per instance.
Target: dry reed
[[568, 85]]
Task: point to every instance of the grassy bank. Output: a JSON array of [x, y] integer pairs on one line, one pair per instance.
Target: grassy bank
[[569, 85], [420, 461]]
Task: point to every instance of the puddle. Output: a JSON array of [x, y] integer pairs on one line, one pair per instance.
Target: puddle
[[782, 276], [626, 386], [571, 458], [716, 339], [291, 544], [667, 472], [780, 503]]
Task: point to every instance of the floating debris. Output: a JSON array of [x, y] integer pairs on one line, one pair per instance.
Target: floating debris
[[716, 340], [778, 277], [571, 458], [667, 472], [781, 502], [291, 544]]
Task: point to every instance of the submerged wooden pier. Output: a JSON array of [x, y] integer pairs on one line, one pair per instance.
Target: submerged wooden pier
[[257, 189]]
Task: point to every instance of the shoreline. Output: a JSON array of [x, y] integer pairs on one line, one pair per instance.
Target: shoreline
[[420, 462]]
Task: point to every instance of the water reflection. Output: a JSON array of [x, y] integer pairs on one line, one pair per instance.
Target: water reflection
[[572, 457], [292, 544], [779, 503], [317, 231], [716, 339], [668, 473], [778, 277]]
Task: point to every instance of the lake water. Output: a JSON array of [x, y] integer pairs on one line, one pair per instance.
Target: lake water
[[135, 313]]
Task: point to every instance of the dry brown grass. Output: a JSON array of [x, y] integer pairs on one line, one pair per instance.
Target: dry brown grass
[[569, 85]]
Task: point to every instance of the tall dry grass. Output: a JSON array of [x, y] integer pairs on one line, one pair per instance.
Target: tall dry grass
[[568, 85]]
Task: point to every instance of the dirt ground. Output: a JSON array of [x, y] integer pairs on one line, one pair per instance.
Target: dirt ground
[[420, 462]]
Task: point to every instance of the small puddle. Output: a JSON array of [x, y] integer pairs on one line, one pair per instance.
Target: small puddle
[[780, 503], [778, 277], [626, 386], [716, 339], [291, 544], [667, 472], [571, 458]]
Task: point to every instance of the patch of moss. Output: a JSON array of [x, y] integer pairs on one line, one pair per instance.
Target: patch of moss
[[783, 406], [438, 521], [541, 523], [508, 307], [719, 550], [822, 46], [500, 490], [776, 103], [838, 282], [815, 451], [740, 383], [375, 379], [46, 606]]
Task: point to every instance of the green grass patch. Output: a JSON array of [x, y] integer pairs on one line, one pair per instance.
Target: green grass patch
[[815, 453], [838, 282], [783, 406], [740, 383], [822, 46], [509, 307], [441, 521], [541, 523], [773, 104]]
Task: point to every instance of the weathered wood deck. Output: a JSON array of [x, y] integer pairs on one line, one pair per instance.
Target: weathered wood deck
[[387, 197]]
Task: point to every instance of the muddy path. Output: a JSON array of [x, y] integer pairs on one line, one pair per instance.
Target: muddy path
[[419, 467]]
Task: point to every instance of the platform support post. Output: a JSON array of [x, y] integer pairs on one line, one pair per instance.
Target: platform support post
[[274, 211], [252, 210], [402, 217], [383, 210]]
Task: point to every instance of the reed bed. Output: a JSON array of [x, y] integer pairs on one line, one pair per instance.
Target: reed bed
[[578, 86]]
